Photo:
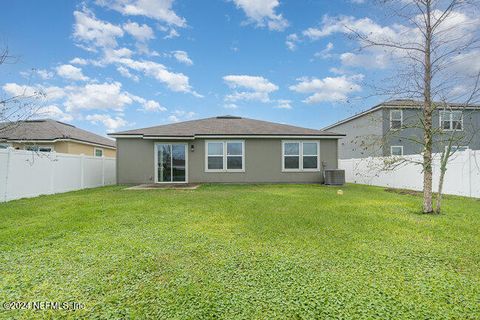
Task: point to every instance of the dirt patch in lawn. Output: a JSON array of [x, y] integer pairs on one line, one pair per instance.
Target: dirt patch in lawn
[[404, 191]]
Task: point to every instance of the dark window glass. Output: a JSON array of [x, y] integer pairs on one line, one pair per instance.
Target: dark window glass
[[309, 162], [215, 163], [292, 162]]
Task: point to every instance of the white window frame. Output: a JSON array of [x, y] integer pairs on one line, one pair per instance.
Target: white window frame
[[396, 155], [225, 155], [52, 149], [95, 152], [450, 119], [401, 118], [300, 155]]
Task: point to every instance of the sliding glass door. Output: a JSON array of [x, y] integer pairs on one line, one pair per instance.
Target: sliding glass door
[[171, 162]]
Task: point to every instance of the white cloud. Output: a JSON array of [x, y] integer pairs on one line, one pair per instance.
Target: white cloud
[[70, 72], [98, 96], [79, 61], [329, 89], [15, 90], [180, 115], [325, 53], [255, 83], [378, 59], [262, 13], [44, 74], [151, 105], [258, 88], [357, 1], [182, 57], [160, 10], [177, 82], [124, 72], [230, 106], [172, 33], [284, 104], [142, 33], [458, 29], [148, 105], [109, 122], [47, 93], [52, 112], [95, 32], [291, 42]]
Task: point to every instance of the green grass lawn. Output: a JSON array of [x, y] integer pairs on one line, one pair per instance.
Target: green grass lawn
[[242, 251]]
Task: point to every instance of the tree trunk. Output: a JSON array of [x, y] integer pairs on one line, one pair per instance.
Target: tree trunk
[[443, 169], [427, 118]]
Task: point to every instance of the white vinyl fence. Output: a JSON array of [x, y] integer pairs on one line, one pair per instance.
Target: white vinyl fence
[[462, 176], [26, 174]]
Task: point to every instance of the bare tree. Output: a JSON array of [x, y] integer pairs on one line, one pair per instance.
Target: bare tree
[[435, 42], [22, 105]]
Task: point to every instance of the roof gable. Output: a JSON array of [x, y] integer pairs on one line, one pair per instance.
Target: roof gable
[[49, 130], [224, 126], [403, 104]]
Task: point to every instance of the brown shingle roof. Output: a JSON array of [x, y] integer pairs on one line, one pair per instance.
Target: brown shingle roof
[[225, 125], [49, 130]]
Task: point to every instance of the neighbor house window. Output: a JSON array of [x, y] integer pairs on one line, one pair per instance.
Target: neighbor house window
[[300, 156], [451, 120], [396, 150], [396, 119], [225, 156], [39, 148], [98, 152]]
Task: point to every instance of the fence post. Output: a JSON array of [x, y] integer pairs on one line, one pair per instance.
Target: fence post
[[470, 173], [103, 171], [7, 173], [82, 170], [52, 171]]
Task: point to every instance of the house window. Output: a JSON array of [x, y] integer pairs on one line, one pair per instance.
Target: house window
[[451, 120], [300, 156], [39, 148], [396, 119], [98, 152], [225, 156], [396, 150]]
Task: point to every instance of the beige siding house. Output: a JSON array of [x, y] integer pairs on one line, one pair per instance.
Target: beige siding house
[[225, 149], [50, 135]]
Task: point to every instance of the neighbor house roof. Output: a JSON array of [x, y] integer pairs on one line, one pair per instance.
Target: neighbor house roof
[[223, 126], [402, 103], [48, 130]]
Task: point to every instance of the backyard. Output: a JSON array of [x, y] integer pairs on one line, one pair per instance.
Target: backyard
[[241, 251]]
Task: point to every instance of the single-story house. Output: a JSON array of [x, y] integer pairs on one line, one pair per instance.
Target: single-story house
[[226, 149], [50, 135]]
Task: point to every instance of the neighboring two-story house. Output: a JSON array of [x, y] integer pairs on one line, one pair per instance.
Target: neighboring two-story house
[[394, 128]]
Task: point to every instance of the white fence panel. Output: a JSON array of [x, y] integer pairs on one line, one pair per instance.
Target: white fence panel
[[461, 178], [28, 174]]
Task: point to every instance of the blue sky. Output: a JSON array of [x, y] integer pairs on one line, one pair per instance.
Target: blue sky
[[112, 65]]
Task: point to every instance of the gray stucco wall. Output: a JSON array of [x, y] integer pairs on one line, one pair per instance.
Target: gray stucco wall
[[263, 162], [470, 136], [363, 136], [370, 135]]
